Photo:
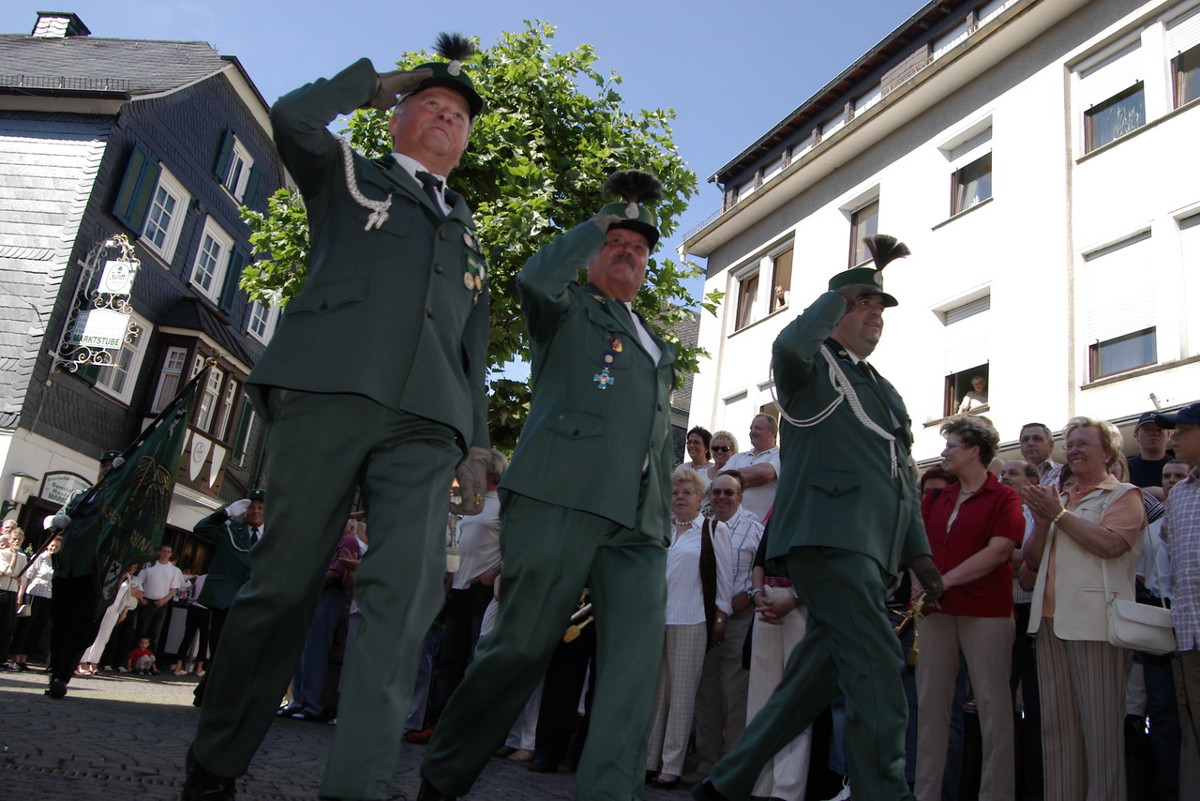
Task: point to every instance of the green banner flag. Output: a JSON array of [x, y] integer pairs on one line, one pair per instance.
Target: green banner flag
[[135, 497]]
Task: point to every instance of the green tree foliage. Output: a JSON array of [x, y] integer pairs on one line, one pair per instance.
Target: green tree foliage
[[552, 131]]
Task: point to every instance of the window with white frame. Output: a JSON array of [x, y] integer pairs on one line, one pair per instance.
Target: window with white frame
[[119, 378], [865, 101], [781, 278], [262, 320], [990, 10], [228, 399], [1183, 48], [968, 323], [164, 220], [970, 159], [830, 127], [210, 400], [234, 166], [170, 378], [747, 298], [863, 223], [243, 436], [746, 188], [1113, 94], [1189, 236], [1120, 309], [212, 258]]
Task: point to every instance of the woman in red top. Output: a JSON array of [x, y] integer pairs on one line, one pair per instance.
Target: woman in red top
[[973, 526]]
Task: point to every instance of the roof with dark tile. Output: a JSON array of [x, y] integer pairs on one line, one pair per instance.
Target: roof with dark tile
[[193, 314], [89, 64]]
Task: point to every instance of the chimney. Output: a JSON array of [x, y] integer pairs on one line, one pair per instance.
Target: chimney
[[59, 25]]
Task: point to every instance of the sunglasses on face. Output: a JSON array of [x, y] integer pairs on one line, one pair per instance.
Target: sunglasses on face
[[721, 448]]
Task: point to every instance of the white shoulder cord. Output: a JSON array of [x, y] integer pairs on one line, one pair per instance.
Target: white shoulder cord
[[232, 541], [845, 392], [378, 208]]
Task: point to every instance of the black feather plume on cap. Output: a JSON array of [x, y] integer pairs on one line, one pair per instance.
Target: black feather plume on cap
[[885, 249], [635, 186], [454, 46]]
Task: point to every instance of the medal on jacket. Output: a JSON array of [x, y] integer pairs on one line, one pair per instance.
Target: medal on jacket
[[603, 378], [476, 272]]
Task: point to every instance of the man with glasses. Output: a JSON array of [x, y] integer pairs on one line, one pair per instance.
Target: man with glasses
[[721, 698]]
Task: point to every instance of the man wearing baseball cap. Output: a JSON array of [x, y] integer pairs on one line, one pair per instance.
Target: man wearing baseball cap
[[584, 502], [1181, 530], [397, 282], [846, 514]]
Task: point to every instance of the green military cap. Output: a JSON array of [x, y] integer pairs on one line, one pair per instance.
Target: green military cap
[[639, 189], [256, 495], [108, 456], [457, 48], [884, 249]]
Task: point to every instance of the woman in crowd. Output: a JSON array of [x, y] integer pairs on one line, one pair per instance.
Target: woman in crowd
[[128, 593], [973, 526], [699, 585], [723, 445], [698, 442], [1086, 533], [12, 562], [35, 591]]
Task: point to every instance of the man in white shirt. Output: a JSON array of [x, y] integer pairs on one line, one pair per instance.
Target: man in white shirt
[[759, 466], [160, 582], [721, 699]]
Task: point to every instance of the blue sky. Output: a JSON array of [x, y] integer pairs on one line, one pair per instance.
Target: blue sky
[[729, 71]]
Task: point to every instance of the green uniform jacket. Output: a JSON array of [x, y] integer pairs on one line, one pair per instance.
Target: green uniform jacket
[[584, 446], [836, 488], [231, 565], [384, 313]]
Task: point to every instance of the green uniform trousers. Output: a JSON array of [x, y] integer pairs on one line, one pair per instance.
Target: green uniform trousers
[[849, 648], [319, 449], [550, 554]]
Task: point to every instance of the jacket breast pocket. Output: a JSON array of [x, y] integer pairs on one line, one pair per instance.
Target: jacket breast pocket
[[322, 299]]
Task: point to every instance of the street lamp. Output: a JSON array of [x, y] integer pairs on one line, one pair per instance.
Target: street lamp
[[18, 492]]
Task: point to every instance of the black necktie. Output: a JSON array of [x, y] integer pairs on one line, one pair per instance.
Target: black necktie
[[865, 369], [254, 535], [433, 188]]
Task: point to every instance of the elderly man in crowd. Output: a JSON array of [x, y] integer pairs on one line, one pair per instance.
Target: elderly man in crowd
[[1037, 445], [759, 466], [396, 278], [847, 516], [721, 700], [584, 502]]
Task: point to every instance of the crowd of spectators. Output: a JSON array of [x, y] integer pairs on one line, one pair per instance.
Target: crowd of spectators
[[1016, 691]]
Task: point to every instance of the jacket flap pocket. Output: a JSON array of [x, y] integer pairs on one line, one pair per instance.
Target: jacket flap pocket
[[320, 299], [835, 482], [576, 425]]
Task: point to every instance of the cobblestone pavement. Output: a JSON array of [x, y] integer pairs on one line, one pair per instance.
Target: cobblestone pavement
[[121, 737]]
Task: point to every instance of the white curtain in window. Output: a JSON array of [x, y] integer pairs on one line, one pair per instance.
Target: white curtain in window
[[968, 334], [1111, 75], [1119, 289]]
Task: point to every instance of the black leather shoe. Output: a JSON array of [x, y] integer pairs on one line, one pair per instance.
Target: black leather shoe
[[57, 689], [543, 765], [704, 791], [201, 785], [430, 793]]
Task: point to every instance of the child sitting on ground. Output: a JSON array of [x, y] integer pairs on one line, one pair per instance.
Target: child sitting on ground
[[141, 659]]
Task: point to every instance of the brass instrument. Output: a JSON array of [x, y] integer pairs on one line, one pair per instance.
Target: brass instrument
[[910, 616], [583, 612]]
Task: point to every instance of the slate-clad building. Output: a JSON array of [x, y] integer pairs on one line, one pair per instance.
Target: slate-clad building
[[162, 142]]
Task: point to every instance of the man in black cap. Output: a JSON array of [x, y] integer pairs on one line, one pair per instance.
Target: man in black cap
[[374, 382], [584, 503], [1145, 469], [846, 514]]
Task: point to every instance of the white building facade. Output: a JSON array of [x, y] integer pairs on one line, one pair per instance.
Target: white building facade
[[1034, 156]]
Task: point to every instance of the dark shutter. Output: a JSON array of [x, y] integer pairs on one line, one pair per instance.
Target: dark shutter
[[137, 189], [224, 155], [250, 197], [233, 275]]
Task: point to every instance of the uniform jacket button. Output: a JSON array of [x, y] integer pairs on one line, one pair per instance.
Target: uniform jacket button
[[437, 268], [429, 311]]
